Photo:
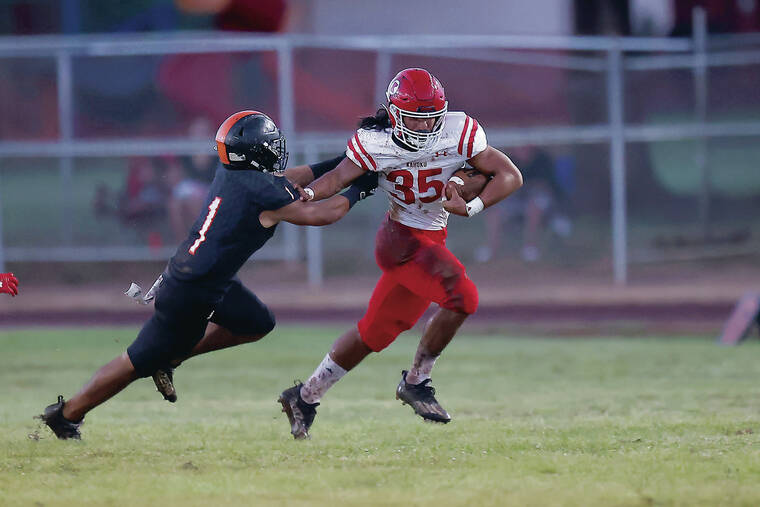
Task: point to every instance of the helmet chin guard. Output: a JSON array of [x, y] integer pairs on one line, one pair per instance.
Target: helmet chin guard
[[416, 139], [416, 94]]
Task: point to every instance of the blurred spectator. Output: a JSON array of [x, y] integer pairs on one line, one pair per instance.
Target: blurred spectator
[[26, 98], [157, 189], [539, 204], [602, 17], [723, 16], [213, 84], [114, 85], [30, 18], [189, 179], [251, 15], [142, 203]]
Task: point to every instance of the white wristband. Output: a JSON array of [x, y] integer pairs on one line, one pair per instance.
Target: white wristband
[[310, 192], [474, 207]]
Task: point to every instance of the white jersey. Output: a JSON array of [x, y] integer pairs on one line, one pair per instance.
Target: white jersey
[[414, 180]]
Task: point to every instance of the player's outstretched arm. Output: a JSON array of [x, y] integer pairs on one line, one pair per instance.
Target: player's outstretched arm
[[302, 175], [325, 211], [332, 182], [299, 175], [505, 179]]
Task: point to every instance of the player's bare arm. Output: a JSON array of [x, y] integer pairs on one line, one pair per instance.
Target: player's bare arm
[[505, 179], [307, 213], [299, 175], [332, 182], [302, 175], [325, 211]]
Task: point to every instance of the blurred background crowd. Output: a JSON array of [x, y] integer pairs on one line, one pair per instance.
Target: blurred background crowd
[[544, 109]]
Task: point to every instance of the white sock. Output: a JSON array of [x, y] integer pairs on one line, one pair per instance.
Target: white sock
[[327, 373], [420, 370]]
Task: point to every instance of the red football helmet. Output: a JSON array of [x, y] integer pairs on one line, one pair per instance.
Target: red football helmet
[[416, 93]]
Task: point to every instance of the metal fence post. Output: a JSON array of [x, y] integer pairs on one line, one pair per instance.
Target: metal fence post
[[2, 246], [287, 122], [66, 130], [314, 259], [382, 74], [617, 164], [699, 33], [314, 250], [314, 253]]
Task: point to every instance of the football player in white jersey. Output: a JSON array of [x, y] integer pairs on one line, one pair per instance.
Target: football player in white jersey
[[416, 144]]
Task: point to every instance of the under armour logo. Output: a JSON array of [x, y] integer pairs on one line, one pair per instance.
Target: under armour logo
[[443, 153]]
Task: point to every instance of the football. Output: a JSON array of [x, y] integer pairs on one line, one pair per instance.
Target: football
[[468, 182]]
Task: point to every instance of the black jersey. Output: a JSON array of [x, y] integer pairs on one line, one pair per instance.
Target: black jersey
[[228, 230]]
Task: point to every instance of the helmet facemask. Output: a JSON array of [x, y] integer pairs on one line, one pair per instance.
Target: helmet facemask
[[413, 138], [273, 156]]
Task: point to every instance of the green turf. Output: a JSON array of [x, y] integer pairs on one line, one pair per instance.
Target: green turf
[[535, 422]]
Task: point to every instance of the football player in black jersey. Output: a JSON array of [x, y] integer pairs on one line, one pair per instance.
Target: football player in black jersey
[[201, 305]]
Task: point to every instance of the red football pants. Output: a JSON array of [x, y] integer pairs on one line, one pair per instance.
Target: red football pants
[[417, 269]]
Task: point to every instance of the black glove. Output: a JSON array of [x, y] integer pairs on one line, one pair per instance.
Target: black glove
[[366, 183], [361, 188]]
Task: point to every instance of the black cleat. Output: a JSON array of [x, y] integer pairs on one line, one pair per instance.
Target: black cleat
[[62, 427], [300, 414], [164, 380], [421, 397]]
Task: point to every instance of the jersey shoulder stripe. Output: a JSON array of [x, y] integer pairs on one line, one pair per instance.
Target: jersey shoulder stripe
[[358, 154], [364, 152], [354, 154], [466, 134], [460, 148], [470, 141]]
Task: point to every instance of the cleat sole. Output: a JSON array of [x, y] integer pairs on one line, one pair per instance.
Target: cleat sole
[[289, 412]]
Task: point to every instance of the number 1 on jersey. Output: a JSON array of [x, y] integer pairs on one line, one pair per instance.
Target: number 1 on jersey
[[212, 209]]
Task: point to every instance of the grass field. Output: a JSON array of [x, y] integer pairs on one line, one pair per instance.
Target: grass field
[[535, 422]]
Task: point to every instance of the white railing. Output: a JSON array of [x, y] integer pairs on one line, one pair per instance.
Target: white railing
[[696, 53]]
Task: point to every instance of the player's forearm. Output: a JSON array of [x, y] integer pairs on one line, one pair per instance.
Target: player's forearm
[[505, 176], [328, 185], [501, 185], [335, 180], [325, 212], [300, 174], [305, 174]]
